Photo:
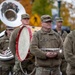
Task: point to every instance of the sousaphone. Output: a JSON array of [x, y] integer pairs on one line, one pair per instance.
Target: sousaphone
[[10, 15]]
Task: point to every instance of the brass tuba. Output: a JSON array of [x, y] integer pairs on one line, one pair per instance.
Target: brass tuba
[[10, 13]]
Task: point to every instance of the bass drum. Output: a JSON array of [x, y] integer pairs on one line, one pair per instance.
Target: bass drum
[[23, 43]]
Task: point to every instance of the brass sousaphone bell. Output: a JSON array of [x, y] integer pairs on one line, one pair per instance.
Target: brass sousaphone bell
[[10, 13]]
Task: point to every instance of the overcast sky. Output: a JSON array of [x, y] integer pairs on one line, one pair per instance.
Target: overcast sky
[[68, 0]]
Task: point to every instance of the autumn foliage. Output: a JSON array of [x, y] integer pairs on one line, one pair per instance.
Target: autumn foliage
[[27, 5]]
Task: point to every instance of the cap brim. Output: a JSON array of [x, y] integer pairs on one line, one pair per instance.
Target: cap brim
[[48, 20], [24, 17], [59, 20]]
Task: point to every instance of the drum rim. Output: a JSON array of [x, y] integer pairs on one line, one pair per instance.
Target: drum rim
[[17, 39]]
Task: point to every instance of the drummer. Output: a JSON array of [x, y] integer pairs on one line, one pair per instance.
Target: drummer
[[25, 22], [27, 64], [6, 65]]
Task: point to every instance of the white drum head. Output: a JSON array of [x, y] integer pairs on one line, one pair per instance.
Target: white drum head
[[23, 43]]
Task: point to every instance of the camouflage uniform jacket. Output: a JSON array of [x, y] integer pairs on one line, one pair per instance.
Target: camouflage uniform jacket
[[69, 52], [12, 43], [42, 39], [4, 44]]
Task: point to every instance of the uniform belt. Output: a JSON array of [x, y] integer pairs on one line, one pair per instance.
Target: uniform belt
[[52, 49]]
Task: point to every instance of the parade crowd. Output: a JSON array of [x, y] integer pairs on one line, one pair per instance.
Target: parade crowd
[[51, 51]]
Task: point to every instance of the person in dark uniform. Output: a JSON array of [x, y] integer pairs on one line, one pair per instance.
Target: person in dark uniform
[[58, 29], [63, 34], [28, 64], [6, 65], [46, 46]]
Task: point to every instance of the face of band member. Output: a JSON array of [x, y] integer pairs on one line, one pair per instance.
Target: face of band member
[[47, 25], [25, 21], [59, 24]]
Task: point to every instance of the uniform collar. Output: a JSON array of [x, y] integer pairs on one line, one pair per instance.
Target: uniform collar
[[50, 32]]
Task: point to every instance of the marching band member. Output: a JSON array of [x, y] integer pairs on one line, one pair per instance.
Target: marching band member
[[6, 65], [26, 65], [45, 46]]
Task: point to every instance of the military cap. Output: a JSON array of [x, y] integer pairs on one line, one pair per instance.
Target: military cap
[[9, 28], [46, 18], [23, 16], [58, 19]]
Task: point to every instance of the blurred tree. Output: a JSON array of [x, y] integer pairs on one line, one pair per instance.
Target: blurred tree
[[65, 14], [1, 24], [42, 7], [27, 5], [72, 23], [1, 1]]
